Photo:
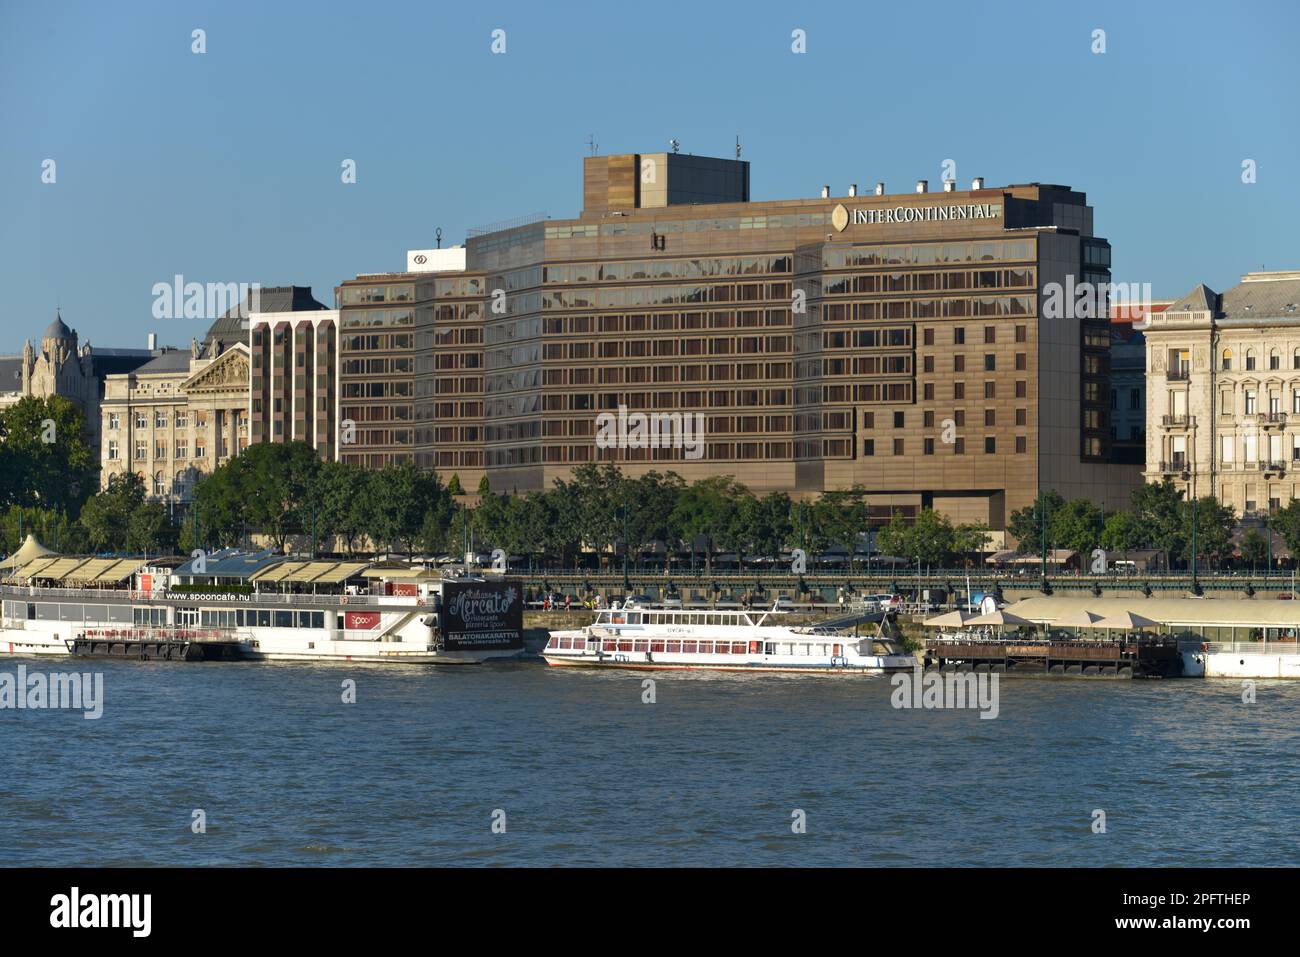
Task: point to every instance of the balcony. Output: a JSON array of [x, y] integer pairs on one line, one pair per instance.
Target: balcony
[[1177, 466], [1178, 375], [1178, 422], [1274, 467], [1271, 420]]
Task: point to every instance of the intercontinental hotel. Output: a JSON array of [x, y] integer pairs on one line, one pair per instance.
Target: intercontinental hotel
[[893, 342]]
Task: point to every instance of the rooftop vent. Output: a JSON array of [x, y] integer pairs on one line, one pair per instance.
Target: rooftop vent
[[977, 183], [922, 186], [853, 189], [880, 189], [826, 192], [949, 185]]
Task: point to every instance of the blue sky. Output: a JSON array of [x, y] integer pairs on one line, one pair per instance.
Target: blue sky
[[225, 167]]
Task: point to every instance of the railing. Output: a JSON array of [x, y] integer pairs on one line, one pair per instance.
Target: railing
[[1178, 421], [216, 599], [1271, 418], [1253, 647], [1178, 375], [1177, 465]]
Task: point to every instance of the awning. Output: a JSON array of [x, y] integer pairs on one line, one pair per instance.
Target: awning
[[120, 570], [91, 570], [60, 569], [341, 572], [34, 567], [280, 572]]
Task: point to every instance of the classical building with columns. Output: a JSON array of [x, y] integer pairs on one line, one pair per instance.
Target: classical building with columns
[[1223, 392]]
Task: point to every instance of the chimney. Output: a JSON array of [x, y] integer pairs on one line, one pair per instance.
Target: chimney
[[826, 192], [977, 183], [922, 186], [949, 185], [853, 189], [880, 189]]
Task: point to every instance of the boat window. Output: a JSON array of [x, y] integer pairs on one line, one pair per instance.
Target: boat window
[[640, 645], [674, 647], [688, 647], [634, 618]]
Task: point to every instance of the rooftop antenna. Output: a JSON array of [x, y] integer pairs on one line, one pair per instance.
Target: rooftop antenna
[[591, 143], [737, 146], [438, 234], [675, 145]]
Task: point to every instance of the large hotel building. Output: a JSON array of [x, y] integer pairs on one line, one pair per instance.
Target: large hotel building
[[896, 342]]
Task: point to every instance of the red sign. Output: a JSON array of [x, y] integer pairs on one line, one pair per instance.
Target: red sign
[[408, 589], [146, 583], [360, 620]]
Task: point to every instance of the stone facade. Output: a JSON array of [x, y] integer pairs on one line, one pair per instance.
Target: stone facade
[[1223, 393]]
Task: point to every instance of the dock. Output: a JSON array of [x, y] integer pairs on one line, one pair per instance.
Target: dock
[[156, 645], [1155, 657]]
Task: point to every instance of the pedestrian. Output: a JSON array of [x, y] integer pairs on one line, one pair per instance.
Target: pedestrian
[[567, 599]]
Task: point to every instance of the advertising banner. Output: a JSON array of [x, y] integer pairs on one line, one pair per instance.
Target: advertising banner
[[479, 615]]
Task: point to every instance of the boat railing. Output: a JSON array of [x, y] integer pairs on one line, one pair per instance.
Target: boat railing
[[232, 599], [1253, 647]]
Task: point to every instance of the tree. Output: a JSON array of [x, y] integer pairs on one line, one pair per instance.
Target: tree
[[1158, 512], [454, 487], [1076, 525], [342, 506], [1026, 524], [1121, 532], [1254, 547], [106, 517], [970, 540], [929, 540], [46, 462], [1286, 522], [706, 509], [1214, 525]]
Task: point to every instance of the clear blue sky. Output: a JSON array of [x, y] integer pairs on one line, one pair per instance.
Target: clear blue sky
[[225, 167]]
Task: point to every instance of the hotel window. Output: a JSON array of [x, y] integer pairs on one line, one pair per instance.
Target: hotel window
[[1250, 403], [990, 445], [1022, 445], [159, 484], [182, 449], [959, 418], [959, 447], [112, 449], [200, 449], [958, 363], [160, 449], [1274, 360], [1274, 404], [959, 336], [200, 419], [928, 447], [1295, 401], [1295, 359], [141, 420], [1250, 360], [141, 450], [959, 390], [898, 420], [114, 420], [990, 418], [990, 334], [1022, 389], [990, 390], [1022, 362], [927, 364], [990, 363], [927, 420], [927, 391], [182, 419], [898, 446], [927, 337], [160, 420], [1225, 402], [1227, 360], [868, 446], [1134, 397], [868, 420], [1021, 417], [1021, 334], [1225, 449]]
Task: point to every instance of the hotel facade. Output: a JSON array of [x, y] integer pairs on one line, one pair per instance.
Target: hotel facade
[[902, 343], [1223, 393]]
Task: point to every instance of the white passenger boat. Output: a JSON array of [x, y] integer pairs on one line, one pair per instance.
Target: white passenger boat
[[391, 614], [654, 638]]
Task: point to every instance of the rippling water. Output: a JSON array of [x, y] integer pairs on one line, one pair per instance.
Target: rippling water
[[587, 774]]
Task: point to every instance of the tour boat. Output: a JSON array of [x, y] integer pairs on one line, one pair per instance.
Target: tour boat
[[655, 638], [402, 615]]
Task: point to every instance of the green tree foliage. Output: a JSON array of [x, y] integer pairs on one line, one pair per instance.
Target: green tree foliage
[[1026, 524], [931, 539], [45, 461]]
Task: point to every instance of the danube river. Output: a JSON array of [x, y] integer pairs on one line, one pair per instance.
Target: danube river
[[576, 769]]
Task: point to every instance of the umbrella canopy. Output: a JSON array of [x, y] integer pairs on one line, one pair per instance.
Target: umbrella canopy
[[29, 551], [954, 619], [999, 618], [1128, 621], [1079, 619]]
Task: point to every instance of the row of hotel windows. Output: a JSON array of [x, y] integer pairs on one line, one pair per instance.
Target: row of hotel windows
[[658, 322], [657, 296], [1274, 360], [182, 449], [840, 257], [378, 317], [927, 281], [977, 307], [667, 269], [958, 446], [1249, 446], [182, 420]]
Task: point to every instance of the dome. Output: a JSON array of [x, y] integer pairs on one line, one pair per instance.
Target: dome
[[57, 329]]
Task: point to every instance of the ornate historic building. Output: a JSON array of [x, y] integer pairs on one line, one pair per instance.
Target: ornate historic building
[[1223, 392], [63, 367], [175, 418]]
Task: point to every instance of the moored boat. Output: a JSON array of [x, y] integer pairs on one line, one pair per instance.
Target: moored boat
[[656, 638]]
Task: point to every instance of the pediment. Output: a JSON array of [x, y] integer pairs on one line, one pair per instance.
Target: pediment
[[229, 372]]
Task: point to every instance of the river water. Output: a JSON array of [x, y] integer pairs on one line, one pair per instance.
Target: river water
[[576, 768]]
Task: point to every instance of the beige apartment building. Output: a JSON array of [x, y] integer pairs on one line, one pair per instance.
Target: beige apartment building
[[1223, 392]]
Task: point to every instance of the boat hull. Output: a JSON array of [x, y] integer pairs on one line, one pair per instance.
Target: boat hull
[[865, 666]]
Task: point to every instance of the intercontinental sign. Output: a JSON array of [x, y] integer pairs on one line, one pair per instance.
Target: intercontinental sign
[[915, 214]]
